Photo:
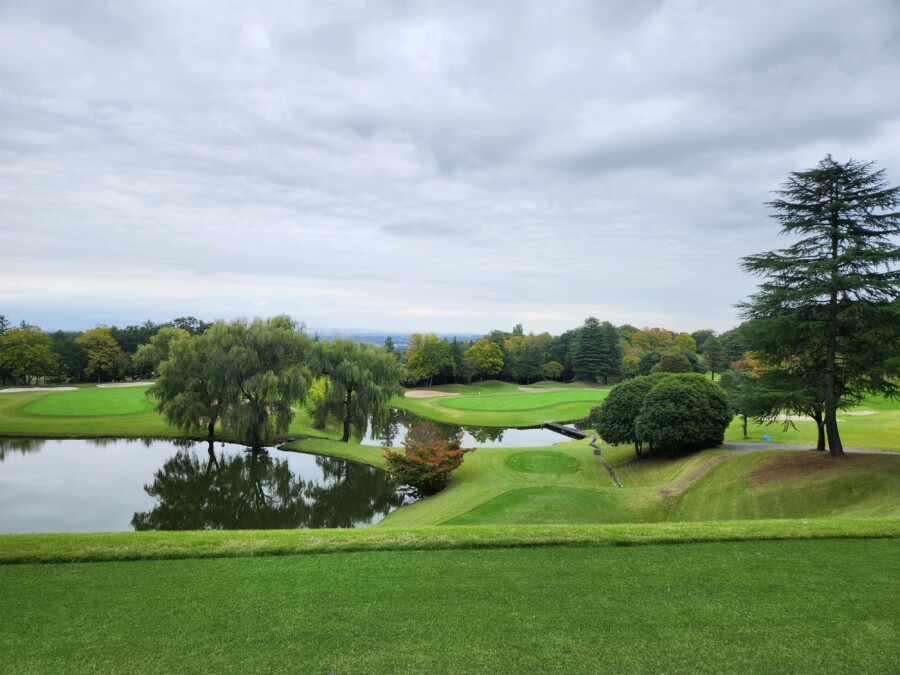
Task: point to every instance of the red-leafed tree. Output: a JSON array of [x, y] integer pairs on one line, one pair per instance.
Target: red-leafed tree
[[427, 459]]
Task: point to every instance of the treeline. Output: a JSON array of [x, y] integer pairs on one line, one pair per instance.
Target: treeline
[[593, 352], [29, 355]]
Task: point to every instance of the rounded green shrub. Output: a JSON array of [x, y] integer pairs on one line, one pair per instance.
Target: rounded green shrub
[[615, 419], [684, 412]]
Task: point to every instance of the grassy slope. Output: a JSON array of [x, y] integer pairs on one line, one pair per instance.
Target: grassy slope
[[736, 607], [776, 484], [500, 404], [491, 487]]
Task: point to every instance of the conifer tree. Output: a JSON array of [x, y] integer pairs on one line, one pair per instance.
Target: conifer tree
[[840, 279]]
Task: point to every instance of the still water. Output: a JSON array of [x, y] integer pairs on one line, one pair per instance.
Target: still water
[[141, 484], [400, 422]]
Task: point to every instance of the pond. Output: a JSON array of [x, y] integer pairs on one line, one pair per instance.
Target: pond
[[115, 485], [400, 422]]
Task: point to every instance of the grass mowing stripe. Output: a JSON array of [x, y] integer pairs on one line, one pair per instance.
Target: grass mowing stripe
[[117, 546], [727, 607]]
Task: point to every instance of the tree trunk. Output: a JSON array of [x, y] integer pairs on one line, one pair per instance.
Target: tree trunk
[[211, 429], [745, 426], [346, 437], [831, 428], [819, 419]]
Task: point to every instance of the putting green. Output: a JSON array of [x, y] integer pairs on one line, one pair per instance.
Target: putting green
[[92, 403], [521, 401], [542, 462]]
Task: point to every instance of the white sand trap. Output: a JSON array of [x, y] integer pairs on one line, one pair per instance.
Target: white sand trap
[[860, 412], [539, 390], [427, 393], [19, 390], [124, 384]]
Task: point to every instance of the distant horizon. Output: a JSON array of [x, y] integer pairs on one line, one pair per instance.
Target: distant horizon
[[338, 331]]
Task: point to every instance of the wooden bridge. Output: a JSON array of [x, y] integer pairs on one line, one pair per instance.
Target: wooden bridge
[[578, 434], [571, 432]]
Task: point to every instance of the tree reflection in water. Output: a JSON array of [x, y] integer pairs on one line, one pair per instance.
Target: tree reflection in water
[[400, 421], [253, 490], [22, 445]]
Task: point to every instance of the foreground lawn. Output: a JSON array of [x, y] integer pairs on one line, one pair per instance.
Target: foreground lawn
[[500, 404], [736, 607]]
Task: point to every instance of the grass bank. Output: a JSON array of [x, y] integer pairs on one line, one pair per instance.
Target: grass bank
[[122, 546], [764, 606]]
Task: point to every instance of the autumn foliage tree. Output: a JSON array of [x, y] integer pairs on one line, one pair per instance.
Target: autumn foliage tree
[[427, 459]]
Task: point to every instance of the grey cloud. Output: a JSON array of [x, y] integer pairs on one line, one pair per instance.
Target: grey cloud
[[371, 145]]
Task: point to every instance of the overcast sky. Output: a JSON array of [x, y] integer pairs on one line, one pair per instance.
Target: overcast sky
[[455, 166]]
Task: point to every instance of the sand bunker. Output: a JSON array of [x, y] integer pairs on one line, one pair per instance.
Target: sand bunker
[[125, 384], [860, 412], [19, 390], [427, 393]]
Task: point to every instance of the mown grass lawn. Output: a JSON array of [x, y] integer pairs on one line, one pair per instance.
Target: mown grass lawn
[[764, 606], [877, 431]]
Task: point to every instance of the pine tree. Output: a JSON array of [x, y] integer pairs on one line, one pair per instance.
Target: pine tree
[[588, 356], [841, 278]]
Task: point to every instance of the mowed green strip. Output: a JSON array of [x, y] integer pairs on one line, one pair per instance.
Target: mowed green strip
[[92, 402], [795, 606]]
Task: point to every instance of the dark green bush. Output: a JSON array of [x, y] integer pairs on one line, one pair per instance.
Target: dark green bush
[[684, 412]]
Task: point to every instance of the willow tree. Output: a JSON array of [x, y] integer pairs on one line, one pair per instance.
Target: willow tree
[[249, 375], [193, 389], [362, 378], [840, 279]]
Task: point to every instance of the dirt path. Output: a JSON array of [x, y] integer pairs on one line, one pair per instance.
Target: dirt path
[[671, 491]]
